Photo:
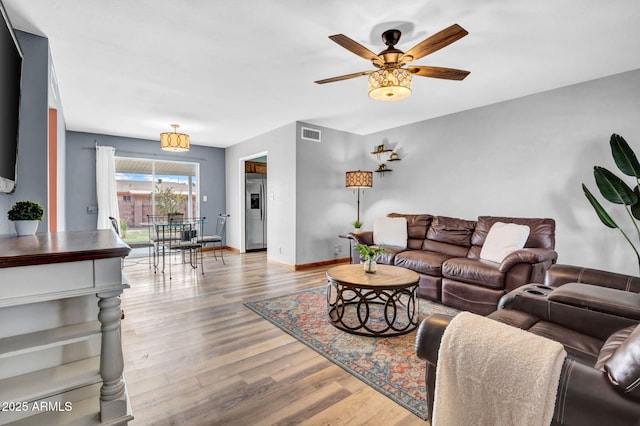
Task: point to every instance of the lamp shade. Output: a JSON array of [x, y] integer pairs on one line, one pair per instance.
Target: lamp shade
[[358, 179], [174, 141], [391, 84]]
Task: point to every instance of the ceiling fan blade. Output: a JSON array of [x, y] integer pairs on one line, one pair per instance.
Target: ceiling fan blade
[[434, 43], [343, 77], [438, 72], [355, 47]]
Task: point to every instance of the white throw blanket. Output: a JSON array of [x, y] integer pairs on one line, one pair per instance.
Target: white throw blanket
[[493, 374]]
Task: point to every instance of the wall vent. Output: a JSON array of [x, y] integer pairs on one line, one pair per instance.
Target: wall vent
[[310, 134]]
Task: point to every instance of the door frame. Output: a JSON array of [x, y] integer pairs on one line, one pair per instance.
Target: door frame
[[241, 197]]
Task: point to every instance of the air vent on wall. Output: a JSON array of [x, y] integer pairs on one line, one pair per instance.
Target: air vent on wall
[[310, 134]]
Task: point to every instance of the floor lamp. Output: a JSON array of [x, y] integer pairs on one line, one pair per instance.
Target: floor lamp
[[359, 179]]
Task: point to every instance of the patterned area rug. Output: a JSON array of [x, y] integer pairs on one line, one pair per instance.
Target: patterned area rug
[[388, 364]]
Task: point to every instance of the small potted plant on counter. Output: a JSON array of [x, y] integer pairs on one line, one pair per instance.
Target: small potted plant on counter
[[369, 254], [25, 216]]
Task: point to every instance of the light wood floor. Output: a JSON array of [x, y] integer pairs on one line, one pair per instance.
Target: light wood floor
[[195, 355]]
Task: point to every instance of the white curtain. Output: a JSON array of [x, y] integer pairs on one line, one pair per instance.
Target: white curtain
[[106, 186]]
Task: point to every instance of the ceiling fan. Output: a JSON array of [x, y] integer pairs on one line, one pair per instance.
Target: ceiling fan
[[392, 81]]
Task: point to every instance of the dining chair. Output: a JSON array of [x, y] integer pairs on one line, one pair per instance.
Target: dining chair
[[217, 238], [183, 238], [156, 236], [114, 223]]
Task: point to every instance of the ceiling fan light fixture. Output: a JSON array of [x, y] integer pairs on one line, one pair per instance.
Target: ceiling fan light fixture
[[391, 84], [174, 141]]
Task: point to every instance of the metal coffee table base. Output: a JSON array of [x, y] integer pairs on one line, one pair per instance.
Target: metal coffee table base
[[372, 312]]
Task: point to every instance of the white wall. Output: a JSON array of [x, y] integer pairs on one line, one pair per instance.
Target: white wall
[[56, 103], [279, 145], [526, 157]]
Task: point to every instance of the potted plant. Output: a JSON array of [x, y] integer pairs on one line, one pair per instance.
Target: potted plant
[[25, 216], [357, 225], [369, 254]]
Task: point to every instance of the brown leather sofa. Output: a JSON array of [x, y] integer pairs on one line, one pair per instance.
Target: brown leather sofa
[[445, 252], [594, 314]]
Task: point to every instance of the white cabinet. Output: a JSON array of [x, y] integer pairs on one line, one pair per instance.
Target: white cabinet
[[60, 342]]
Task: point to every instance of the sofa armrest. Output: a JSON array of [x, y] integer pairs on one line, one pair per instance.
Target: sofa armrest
[[602, 299], [559, 274], [527, 255], [361, 237], [429, 336], [585, 397]]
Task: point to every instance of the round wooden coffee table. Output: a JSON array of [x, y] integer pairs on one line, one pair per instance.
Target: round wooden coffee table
[[380, 304]]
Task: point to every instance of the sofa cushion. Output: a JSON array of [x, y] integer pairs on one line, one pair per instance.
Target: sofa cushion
[[425, 262], [387, 258], [451, 230], [449, 249], [579, 346], [390, 231], [417, 225], [541, 234], [559, 274], [474, 271], [503, 239]]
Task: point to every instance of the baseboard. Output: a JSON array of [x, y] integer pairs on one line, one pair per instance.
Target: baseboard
[[211, 248], [301, 266], [323, 263]]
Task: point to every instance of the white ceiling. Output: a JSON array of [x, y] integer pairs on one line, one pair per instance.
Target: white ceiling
[[230, 70]]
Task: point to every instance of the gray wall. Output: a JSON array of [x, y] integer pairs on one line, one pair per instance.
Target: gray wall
[[279, 146], [325, 208], [81, 176], [32, 176], [526, 157]]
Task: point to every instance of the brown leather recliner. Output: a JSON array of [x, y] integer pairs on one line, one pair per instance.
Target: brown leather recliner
[[596, 323]]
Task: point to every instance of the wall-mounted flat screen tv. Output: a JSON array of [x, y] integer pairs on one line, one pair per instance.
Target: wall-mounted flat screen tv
[[10, 85]]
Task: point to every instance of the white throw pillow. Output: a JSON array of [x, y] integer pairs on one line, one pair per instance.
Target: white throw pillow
[[502, 239], [390, 231]]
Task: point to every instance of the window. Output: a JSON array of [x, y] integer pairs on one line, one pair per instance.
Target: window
[[153, 187]]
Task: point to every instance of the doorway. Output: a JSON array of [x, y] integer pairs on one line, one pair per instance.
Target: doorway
[[254, 203]]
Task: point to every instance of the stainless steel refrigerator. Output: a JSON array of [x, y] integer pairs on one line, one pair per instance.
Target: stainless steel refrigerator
[[255, 211]]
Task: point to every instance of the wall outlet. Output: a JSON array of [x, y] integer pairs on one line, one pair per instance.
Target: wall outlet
[[337, 249], [92, 209]]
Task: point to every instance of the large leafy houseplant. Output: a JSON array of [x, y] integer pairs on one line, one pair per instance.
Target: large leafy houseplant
[[616, 191]]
